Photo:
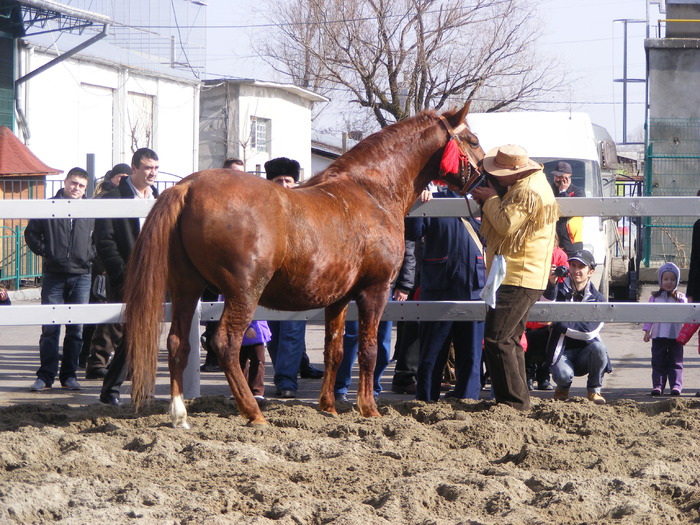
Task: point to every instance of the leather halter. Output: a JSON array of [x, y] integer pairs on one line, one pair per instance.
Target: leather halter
[[469, 172]]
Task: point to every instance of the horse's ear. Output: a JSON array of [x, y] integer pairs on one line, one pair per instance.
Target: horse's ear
[[462, 113]]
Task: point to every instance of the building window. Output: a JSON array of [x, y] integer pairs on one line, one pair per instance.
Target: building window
[[260, 134]]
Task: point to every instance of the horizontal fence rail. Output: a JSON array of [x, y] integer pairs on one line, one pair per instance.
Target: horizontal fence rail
[[570, 207], [395, 311]]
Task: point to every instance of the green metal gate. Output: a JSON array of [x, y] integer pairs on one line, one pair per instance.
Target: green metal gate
[[672, 168]]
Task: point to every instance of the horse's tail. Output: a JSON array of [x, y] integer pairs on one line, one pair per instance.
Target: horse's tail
[[144, 290]]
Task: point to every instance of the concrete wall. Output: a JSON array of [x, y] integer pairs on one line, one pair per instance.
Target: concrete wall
[[674, 74]]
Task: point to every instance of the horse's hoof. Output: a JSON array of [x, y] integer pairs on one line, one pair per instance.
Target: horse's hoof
[[370, 413], [182, 424], [258, 423]]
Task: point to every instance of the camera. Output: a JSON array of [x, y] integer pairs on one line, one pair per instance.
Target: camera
[[561, 271]]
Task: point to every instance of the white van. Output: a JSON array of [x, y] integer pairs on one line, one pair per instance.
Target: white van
[[550, 137]]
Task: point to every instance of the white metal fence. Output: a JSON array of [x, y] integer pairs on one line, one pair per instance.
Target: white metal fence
[[466, 310], [425, 311]]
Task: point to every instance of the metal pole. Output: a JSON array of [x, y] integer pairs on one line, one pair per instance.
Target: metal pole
[[190, 380], [90, 168], [624, 86], [18, 264]]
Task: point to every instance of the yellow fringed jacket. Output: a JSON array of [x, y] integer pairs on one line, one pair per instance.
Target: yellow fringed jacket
[[521, 227]]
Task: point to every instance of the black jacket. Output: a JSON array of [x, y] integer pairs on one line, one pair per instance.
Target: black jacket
[[115, 237], [65, 244], [572, 334]]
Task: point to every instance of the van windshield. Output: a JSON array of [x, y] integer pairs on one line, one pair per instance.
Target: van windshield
[[586, 174]]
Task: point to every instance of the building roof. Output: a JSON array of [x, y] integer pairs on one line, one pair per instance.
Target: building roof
[[291, 88], [17, 160]]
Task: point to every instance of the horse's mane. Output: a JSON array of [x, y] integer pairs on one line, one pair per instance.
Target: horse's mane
[[378, 145]]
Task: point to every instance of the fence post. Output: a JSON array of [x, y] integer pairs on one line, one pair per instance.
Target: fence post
[[18, 259], [190, 380]]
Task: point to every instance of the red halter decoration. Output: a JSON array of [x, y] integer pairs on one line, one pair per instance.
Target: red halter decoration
[[456, 160]]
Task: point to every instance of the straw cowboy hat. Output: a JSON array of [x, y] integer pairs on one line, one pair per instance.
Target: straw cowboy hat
[[509, 160]]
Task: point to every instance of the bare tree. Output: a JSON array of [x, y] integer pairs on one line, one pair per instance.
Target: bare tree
[[398, 57]]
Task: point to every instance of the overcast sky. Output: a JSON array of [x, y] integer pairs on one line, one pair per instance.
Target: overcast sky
[[581, 34]]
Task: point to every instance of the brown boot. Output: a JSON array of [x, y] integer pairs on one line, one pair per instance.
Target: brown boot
[[596, 398], [560, 394]]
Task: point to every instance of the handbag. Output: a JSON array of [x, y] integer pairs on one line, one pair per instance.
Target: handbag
[[99, 287]]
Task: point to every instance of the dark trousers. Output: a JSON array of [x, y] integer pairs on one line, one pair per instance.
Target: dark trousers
[[535, 357], [118, 368], [504, 327], [666, 363], [253, 365], [435, 338], [407, 353]]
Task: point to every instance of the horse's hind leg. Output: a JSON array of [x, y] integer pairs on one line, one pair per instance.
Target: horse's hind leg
[[332, 355], [370, 308], [227, 340], [185, 285], [183, 308]]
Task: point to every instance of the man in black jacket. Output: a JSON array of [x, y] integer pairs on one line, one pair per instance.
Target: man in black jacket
[[67, 248], [115, 238]]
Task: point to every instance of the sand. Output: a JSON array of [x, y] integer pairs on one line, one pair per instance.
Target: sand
[[450, 462]]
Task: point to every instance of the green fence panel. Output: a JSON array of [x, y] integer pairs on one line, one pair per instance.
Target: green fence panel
[[672, 168]]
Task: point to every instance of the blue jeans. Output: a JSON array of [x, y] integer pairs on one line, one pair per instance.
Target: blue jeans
[[286, 348], [61, 289], [591, 359], [350, 348]]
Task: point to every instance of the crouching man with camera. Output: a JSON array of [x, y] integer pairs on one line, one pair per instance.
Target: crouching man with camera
[[574, 348]]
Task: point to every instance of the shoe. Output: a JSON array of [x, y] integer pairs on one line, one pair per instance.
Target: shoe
[[656, 392], [544, 385], [95, 373], [310, 372], [260, 400], [287, 393], [445, 387], [209, 368], [451, 394], [343, 398], [596, 398], [110, 399], [530, 384], [71, 384], [675, 392], [38, 386], [409, 389], [560, 394]]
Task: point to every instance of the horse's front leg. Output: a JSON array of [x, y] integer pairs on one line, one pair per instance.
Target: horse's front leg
[[227, 344], [332, 355]]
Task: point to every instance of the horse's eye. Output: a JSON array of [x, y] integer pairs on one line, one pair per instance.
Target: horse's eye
[[473, 141]]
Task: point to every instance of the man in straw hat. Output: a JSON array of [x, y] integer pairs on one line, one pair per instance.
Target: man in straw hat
[[518, 224]]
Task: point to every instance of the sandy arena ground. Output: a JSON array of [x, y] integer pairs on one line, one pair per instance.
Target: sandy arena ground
[[65, 458]]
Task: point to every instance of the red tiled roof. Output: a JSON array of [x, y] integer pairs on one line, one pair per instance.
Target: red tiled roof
[[17, 160]]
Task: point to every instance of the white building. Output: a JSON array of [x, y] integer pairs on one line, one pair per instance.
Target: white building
[[255, 121], [95, 102]]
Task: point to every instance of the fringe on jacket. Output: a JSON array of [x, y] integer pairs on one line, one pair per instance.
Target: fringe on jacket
[[539, 216]]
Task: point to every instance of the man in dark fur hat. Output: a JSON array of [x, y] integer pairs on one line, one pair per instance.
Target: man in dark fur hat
[[287, 347]]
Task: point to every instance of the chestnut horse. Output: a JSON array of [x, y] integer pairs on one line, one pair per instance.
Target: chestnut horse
[[339, 237]]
